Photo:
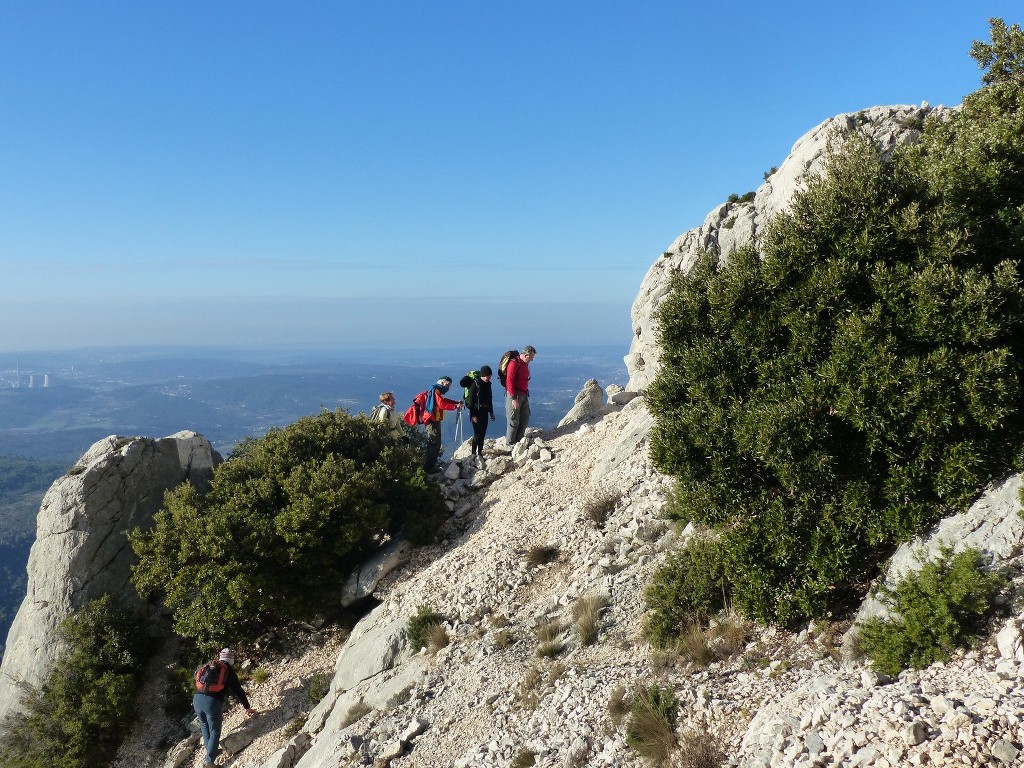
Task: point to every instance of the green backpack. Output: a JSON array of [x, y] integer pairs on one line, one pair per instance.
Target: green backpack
[[466, 382]]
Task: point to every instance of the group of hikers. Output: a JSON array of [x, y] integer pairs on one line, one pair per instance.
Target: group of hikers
[[428, 407], [215, 679]]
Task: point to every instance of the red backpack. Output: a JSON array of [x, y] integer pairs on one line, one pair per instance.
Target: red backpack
[[212, 677]]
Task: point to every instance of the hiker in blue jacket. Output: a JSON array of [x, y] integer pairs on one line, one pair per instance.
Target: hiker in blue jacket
[[213, 682]]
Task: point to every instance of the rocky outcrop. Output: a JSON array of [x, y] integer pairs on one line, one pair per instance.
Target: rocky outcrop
[[733, 225], [588, 404], [81, 551]]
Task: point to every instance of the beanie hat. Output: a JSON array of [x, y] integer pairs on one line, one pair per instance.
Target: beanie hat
[[444, 381], [485, 370], [228, 656]]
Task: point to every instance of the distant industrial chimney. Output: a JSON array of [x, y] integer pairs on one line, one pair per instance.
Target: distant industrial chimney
[[31, 380], [46, 380]]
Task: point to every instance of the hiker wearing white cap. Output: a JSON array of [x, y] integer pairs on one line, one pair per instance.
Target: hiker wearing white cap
[[428, 409], [214, 680]]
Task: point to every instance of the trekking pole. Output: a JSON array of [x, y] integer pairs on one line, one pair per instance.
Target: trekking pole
[[458, 431]]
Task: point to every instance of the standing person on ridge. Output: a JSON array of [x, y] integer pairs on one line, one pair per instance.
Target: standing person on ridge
[[213, 683], [517, 394], [429, 407], [481, 406]]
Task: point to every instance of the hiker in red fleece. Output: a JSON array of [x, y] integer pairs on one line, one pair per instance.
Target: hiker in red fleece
[[428, 409], [517, 394]]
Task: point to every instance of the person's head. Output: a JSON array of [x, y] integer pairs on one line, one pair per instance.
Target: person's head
[[528, 354], [227, 656], [444, 383], [388, 398], [485, 372]]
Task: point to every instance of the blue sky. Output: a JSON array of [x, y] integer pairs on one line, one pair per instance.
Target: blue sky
[[403, 173]]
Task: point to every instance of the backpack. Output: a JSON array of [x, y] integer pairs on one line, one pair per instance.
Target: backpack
[[466, 382], [378, 413], [212, 677], [414, 415], [503, 365]]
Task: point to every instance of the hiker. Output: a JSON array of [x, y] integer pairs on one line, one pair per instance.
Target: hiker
[[386, 414], [214, 681], [481, 405], [428, 409], [517, 393]]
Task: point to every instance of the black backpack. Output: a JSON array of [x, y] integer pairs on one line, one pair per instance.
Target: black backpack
[[503, 365]]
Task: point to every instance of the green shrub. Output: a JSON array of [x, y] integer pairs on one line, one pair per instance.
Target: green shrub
[[418, 628], [688, 588], [860, 377], [77, 717], [935, 610], [287, 518], [650, 730]]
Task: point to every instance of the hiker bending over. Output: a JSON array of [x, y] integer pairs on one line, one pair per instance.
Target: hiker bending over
[[428, 409], [213, 682]]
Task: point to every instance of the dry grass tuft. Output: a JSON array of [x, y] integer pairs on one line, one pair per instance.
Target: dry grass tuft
[[542, 554], [599, 505], [586, 615]]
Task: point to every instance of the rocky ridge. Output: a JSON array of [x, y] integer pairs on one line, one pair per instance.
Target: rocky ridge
[[489, 697]]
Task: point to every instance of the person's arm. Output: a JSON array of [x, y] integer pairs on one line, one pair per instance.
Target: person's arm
[[235, 686]]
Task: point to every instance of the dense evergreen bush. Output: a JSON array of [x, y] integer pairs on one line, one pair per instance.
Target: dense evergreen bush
[[687, 589], [860, 377], [286, 519], [78, 715], [933, 611]]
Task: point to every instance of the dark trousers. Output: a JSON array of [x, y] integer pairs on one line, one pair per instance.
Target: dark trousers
[[479, 420], [433, 446]]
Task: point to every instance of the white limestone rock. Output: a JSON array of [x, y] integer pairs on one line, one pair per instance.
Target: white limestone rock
[[588, 404], [81, 551]]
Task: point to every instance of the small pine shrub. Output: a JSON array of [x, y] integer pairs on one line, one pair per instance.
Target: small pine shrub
[[688, 588], [650, 730], [259, 675], [939, 608], [318, 686], [419, 624]]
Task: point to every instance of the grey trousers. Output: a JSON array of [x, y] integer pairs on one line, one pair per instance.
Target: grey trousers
[[518, 418]]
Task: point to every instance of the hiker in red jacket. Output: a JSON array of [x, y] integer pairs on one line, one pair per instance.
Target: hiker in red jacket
[[213, 683], [430, 406], [517, 394]]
